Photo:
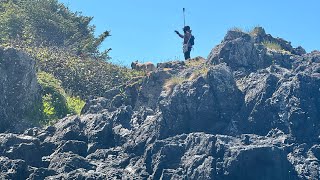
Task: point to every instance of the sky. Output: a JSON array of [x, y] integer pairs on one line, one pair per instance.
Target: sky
[[144, 29]]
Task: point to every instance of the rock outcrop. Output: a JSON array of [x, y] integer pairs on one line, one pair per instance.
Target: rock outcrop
[[19, 91], [247, 112]]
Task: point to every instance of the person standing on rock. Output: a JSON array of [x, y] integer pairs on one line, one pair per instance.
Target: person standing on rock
[[188, 41]]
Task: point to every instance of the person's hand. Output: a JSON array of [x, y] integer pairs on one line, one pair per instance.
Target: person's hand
[[176, 32]]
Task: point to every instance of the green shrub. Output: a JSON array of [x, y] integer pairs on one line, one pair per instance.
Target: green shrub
[[56, 104], [63, 44], [53, 97], [75, 104], [80, 75], [49, 23]]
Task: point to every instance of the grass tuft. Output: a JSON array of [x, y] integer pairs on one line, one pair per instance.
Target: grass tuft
[[238, 29], [172, 82], [273, 46], [199, 72], [195, 62]]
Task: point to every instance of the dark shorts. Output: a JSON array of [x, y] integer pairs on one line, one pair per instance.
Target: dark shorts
[[187, 54]]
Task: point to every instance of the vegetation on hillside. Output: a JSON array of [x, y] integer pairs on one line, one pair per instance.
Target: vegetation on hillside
[[66, 51], [48, 23]]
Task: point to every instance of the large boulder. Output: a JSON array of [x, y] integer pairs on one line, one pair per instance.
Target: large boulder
[[207, 104], [239, 51], [19, 91], [305, 159], [13, 169], [22, 147], [67, 162]]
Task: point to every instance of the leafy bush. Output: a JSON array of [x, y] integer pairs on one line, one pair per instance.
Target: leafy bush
[[56, 103], [75, 104], [48, 23], [66, 53], [82, 76], [63, 44]]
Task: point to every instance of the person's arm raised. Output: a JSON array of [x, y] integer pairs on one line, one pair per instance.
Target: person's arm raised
[[180, 35]]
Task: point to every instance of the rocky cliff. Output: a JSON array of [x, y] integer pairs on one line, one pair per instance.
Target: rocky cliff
[[19, 90], [248, 111]]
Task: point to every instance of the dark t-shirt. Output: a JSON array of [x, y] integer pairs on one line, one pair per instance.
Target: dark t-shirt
[[186, 37]]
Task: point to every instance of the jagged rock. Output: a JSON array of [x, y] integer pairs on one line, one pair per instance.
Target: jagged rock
[[206, 104], [258, 114], [40, 173], [277, 98], [75, 147], [95, 105], [67, 162], [259, 35], [297, 102], [111, 162], [114, 98], [80, 174], [13, 169], [19, 90], [98, 131], [233, 34], [282, 59], [21, 147], [299, 51], [248, 113], [240, 52], [205, 156], [177, 65], [151, 88], [305, 162], [69, 128]]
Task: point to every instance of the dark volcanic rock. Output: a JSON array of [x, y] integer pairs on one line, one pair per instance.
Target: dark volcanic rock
[[67, 162], [13, 169], [21, 147], [70, 128], [76, 147], [249, 112], [152, 87], [204, 156], [80, 174], [40, 173], [239, 51], [95, 105], [176, 65], [19, 90], [207, 104]]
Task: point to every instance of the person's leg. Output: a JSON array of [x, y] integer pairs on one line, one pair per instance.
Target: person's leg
[[187, 55]]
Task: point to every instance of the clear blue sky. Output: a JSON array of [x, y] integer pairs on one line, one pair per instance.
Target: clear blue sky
[[144, 29]]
